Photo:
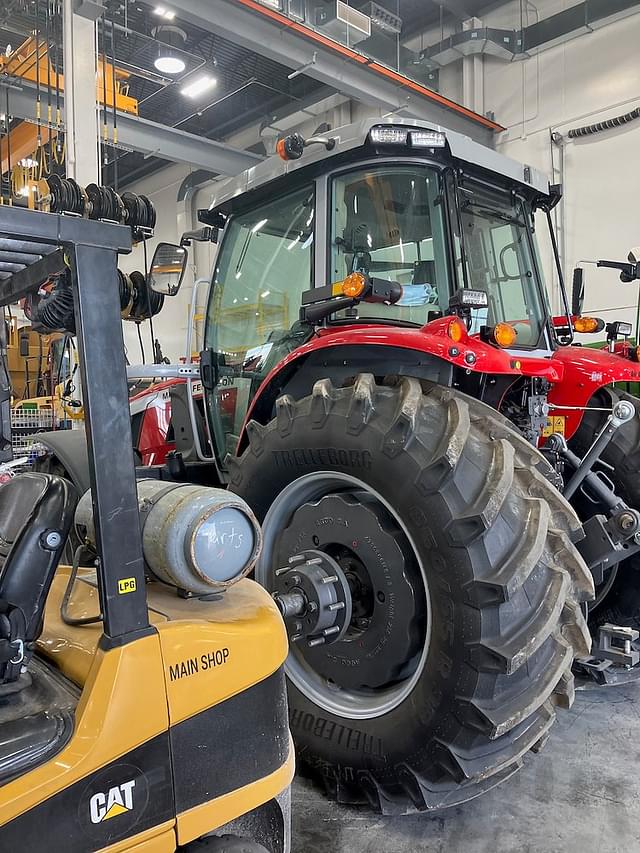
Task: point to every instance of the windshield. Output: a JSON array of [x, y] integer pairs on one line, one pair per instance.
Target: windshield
[[493, 249], [388, 222]]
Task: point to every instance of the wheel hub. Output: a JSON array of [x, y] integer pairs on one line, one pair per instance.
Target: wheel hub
[[355, 539], [313, 595]]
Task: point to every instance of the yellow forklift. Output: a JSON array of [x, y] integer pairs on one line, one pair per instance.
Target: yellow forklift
[[142, 700]]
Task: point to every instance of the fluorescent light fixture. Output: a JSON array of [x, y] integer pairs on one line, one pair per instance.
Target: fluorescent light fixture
[[198, 87], [168, 64]]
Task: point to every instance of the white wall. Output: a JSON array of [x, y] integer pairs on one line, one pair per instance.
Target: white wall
[[170, 325], [586, 80]]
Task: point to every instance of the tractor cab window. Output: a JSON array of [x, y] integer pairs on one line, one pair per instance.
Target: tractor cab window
[[387, 221], [264, 265], [498, 252]]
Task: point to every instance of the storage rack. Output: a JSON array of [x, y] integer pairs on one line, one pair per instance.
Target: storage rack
[[33, 247]]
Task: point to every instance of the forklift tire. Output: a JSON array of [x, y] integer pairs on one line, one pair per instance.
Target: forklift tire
[[225, 844], [482, 602], [620, 603]]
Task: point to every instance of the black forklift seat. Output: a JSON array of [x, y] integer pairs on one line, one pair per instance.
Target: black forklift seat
[[36, 704]]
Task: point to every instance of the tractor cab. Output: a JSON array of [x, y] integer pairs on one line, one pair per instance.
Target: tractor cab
[[432, 212]]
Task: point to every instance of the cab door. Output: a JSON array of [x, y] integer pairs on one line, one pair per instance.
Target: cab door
[[264, 264]]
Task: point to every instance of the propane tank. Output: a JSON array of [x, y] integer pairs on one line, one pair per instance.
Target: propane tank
[[197, 538]]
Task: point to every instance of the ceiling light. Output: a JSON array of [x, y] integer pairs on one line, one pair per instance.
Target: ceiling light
[[168, 64], [198, 87], [170, 57]]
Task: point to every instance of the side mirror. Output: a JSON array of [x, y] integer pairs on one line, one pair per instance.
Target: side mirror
[[167, 268], [632, 273], [577, 292]]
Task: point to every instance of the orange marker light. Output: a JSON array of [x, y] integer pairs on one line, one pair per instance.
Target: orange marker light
[[354, 285], [456, 330], [281, 149], [504, 335], [588, 324], [634, 353]]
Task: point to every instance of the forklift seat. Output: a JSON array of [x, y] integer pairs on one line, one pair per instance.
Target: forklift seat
[[36, 513], [36, 704]]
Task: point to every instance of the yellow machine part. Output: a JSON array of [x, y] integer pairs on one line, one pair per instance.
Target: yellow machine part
[[24, 60], [202, 655]]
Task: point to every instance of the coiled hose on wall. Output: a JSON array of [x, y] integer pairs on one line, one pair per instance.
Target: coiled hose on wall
[[609, 124]]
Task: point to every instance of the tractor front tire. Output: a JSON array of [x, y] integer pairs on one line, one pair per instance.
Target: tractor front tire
[[466, 587]]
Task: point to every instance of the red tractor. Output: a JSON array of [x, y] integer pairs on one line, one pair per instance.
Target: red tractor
[[442, 476]]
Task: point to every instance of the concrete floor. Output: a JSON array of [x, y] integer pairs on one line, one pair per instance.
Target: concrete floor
[[581, 793]]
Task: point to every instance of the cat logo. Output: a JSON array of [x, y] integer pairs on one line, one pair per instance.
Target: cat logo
[[116, 801]]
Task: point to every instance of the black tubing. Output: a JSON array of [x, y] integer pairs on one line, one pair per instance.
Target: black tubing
[[609, 124]]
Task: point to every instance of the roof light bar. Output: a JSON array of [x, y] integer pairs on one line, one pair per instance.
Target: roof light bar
[[427, 139], [389, 135]]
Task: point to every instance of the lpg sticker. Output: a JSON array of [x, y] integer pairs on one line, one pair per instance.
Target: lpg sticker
[[126, 585]]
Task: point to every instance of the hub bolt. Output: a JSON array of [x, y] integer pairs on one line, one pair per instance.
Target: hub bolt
[[627, 521]]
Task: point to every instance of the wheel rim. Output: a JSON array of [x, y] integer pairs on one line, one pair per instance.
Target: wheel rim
[[347, 702]]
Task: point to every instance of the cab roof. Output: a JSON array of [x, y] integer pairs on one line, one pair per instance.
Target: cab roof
[[353, 136]]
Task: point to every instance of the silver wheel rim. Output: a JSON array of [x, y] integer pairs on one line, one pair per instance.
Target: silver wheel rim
[[358, 704]]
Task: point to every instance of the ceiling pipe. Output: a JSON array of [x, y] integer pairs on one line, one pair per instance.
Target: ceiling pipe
[[510, 45]]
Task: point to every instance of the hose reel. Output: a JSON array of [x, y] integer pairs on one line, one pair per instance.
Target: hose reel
[[64, 195]]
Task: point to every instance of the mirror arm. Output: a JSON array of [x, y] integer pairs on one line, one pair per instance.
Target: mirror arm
[[207, 234], [568, 339]]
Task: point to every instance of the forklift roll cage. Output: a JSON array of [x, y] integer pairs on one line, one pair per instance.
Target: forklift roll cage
[[90, 249]]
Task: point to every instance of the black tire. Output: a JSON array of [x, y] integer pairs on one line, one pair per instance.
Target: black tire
[[504, 580], [620, 604], [224, 844]]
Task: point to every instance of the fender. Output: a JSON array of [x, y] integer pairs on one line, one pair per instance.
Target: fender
[[427, 353], [69, 448], [586, 371]]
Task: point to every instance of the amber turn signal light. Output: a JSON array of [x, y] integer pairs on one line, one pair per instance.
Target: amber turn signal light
[[634, 353], [456, 330], [588, 324], [354, 285], [503, 335]]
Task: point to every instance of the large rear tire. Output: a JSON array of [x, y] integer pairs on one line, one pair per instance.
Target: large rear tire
[[472, 587], [618, 598]]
